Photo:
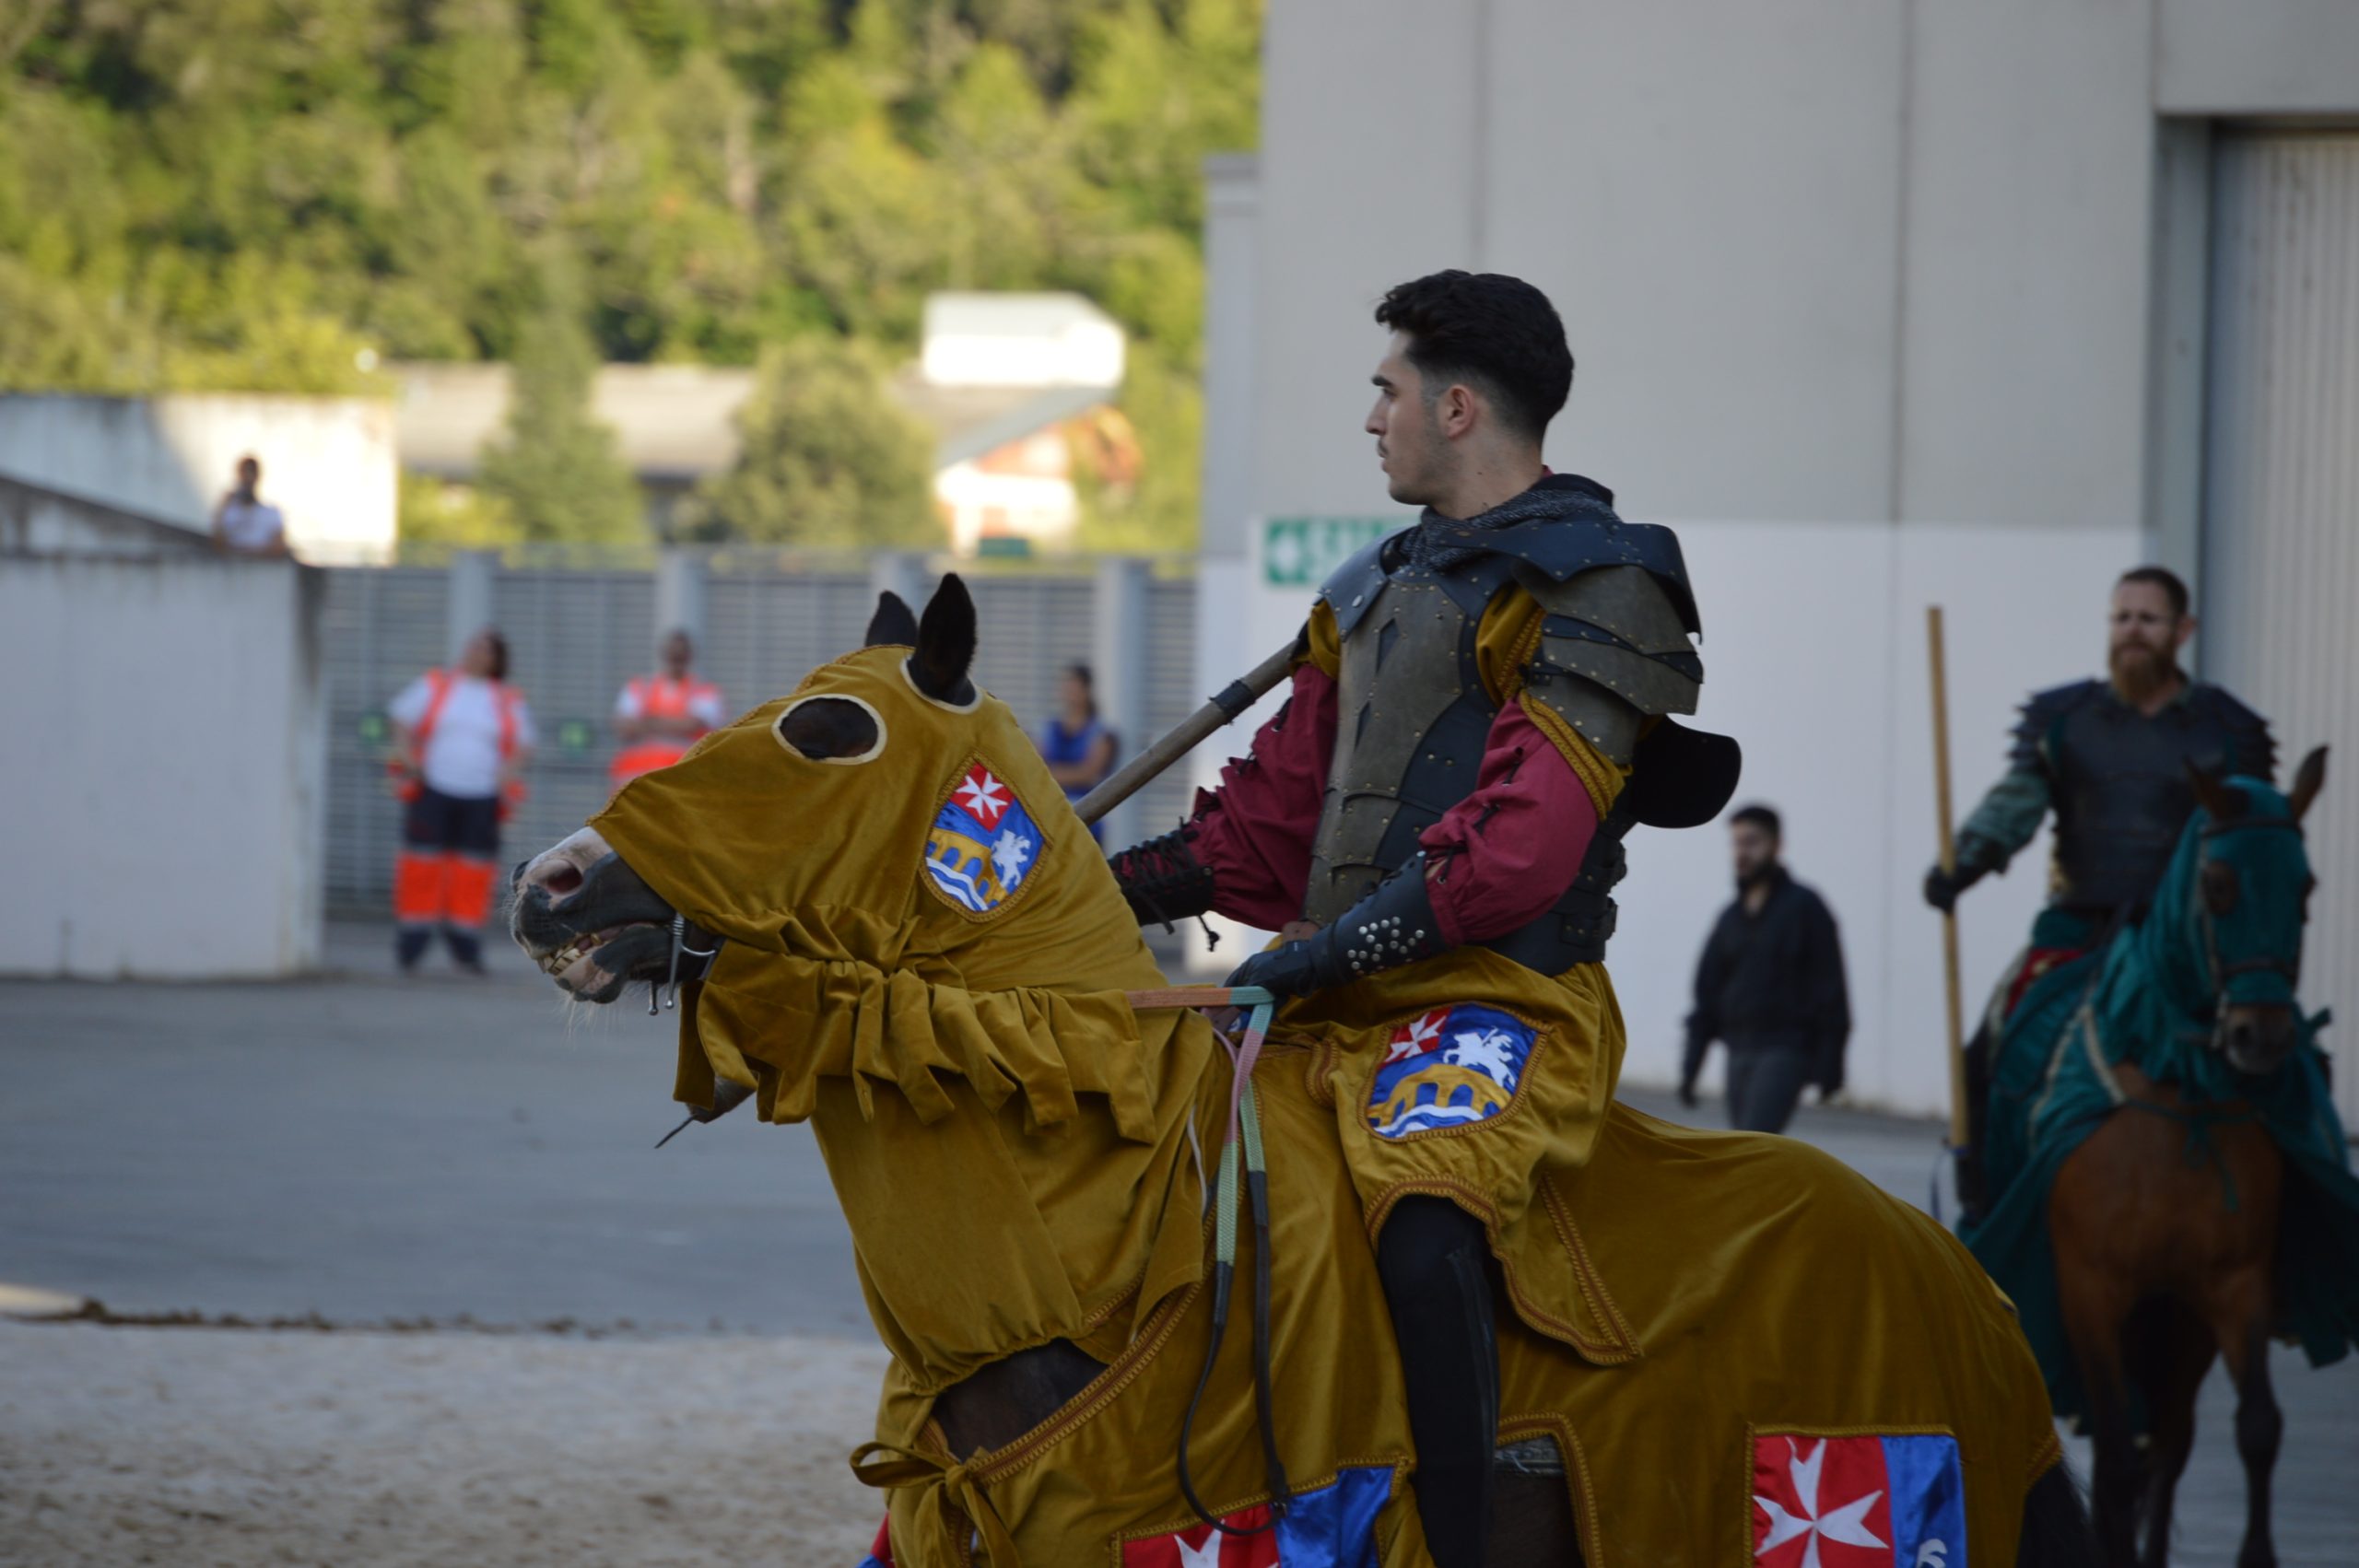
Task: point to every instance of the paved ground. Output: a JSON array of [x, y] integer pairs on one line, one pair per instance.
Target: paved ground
[[375, 1152]]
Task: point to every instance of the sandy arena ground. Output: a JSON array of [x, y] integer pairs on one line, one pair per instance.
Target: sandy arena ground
[[202, 1446]]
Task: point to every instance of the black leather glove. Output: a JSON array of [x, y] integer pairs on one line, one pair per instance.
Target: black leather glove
[[1163, 881], [1942, 887], [1393, 926]]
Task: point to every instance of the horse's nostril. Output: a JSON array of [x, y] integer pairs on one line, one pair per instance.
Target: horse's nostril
[[560, 879]]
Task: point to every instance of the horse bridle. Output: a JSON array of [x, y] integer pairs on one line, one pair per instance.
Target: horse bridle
[[679, 946], [2222, 974]]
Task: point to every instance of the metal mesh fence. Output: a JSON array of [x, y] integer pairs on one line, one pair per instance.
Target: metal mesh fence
[[576, 636]]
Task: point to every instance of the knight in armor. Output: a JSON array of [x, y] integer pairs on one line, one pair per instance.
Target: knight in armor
[[1434, 824], [2111, 759]]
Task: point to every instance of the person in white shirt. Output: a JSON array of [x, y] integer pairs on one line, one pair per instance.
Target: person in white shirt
[[244, 523], [461, 740]]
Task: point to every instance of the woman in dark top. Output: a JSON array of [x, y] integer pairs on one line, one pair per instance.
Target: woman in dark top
[[1078, 747]]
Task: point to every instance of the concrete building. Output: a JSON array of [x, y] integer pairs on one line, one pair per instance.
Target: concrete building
[[998, 379], [327, 461], [165, 768], [1882, 303]]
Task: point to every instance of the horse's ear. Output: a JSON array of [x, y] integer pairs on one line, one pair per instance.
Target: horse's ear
[[894, 622], [2308, 779], [2213, 793], [946, 645]]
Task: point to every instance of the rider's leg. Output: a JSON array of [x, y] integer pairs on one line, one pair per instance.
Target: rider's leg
[[1973, 1187], [1436, 1266]]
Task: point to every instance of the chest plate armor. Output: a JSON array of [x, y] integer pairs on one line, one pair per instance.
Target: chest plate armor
[[2118, 781], [1414, 719]]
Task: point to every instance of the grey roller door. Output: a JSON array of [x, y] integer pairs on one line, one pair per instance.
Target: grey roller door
[[2281, 530]]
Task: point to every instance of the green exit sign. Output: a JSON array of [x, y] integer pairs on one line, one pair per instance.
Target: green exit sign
[[1301, 552]]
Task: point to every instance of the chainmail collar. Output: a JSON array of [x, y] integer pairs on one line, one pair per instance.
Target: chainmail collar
[[1434, 544]]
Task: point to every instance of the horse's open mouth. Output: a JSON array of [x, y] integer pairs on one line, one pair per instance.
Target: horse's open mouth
[[576, 967]]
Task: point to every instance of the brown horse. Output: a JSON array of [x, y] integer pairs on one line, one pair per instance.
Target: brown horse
[[1762, 1295], [2165, 1222]]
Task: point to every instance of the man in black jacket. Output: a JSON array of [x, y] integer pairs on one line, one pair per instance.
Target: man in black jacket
[[1770, 987]]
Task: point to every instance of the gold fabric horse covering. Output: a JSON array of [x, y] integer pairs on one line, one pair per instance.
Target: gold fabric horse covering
[[926, 956]]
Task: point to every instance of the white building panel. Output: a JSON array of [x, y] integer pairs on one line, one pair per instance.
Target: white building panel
[[2282, 500]]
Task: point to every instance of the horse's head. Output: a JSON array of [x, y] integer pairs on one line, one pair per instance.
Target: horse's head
[[884, 812], [2247, 905]]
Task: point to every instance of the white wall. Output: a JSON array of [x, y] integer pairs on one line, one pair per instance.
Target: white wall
[[328, 463], [1867, 298], [163, 770]]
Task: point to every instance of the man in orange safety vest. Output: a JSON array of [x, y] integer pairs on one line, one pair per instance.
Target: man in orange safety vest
[[657, 717]]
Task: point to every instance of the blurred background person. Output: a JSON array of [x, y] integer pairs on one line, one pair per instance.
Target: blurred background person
[[1769, 987], [658, 716], [462, 739], [1079, 747], [245, 524]]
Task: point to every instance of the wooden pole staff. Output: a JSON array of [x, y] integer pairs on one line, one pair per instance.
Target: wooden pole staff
[[1238, 696], [1954, 1006]]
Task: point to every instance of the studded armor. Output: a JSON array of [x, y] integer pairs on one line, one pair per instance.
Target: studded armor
[[2118, 780], [1413, 715]]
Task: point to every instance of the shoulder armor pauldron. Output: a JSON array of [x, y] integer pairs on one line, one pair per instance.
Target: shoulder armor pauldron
[[2041, 713], [2253, 750], [1351, 588], [1613, 653], [1561, 549]]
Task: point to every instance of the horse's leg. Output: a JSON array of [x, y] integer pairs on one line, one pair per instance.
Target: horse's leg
[[2241, 1321], [2175, 1350], [2095, 1312]]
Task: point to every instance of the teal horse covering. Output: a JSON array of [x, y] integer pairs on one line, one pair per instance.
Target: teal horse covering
[[2145, 999]]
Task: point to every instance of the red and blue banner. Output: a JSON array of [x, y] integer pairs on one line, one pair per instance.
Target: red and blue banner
[[1867, 1501], [1332, 1526]]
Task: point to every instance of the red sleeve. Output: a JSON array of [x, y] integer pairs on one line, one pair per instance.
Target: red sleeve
[[1502, 856], [1255, 831]]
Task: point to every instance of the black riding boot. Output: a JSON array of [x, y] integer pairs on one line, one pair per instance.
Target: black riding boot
[[1437, 1271], [1973, 1185]]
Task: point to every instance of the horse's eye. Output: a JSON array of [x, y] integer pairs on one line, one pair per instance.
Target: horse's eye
[[2219, 887], [831, 729]]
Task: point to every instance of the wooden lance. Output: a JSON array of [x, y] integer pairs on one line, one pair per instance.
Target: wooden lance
[[1955, 1011], [1230, 701]]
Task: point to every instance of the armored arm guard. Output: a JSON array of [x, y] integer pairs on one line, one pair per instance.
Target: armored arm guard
[[1393, 925], [1163, 879], [1613, 653]]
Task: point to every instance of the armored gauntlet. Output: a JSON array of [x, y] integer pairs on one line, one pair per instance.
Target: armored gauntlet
[[1393, 925]]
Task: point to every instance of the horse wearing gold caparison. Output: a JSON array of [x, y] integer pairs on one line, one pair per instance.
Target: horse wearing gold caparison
[[1738, 1348]]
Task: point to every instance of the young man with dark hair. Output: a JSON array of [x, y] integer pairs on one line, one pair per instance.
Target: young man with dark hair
[[1434, 822], [1769, 986], [2110, 758]]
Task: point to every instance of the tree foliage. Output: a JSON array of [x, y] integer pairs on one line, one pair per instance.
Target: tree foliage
[[250, 193], [826, 457], [555, 472]]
